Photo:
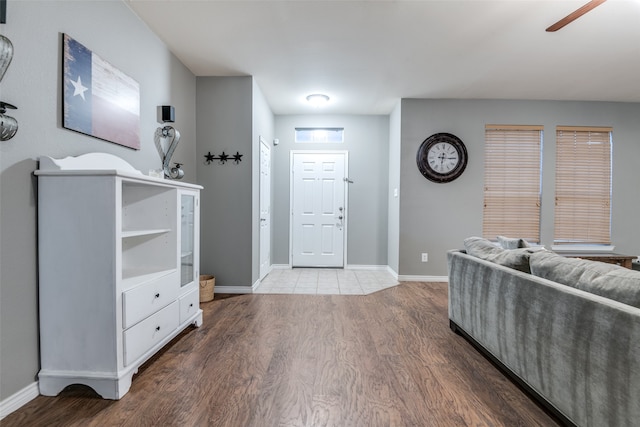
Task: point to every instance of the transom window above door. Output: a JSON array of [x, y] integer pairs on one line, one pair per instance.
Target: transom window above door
[[319, 135]]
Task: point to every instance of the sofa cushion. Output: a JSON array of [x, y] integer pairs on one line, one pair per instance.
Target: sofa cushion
[[512, 243], [567, 271], [599, 278], [621, 284], [479, 247]]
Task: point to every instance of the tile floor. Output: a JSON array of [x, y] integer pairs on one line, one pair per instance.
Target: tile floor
[[322, 281]]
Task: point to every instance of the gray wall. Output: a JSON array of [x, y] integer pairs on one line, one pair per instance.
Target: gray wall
[[224, 123], [367, 140], [232, 115], [33, 83], [437, 217]]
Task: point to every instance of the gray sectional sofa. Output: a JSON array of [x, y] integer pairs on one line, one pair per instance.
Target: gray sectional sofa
[[568, 330]]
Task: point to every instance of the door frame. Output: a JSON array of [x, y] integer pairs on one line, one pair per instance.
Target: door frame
[[264, 270], [345, 153]]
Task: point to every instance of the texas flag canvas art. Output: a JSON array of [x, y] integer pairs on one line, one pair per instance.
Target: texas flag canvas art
[[99, 99]]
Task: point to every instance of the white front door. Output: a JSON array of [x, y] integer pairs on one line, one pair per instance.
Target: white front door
[[265, 208], [318, 208]]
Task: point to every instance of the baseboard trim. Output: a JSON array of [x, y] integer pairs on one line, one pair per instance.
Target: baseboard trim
[[234, 289], [367, 267], [392, 272], [407, 278], [19, 399]]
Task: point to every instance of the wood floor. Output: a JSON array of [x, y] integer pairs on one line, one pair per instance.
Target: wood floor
[[385, 359]]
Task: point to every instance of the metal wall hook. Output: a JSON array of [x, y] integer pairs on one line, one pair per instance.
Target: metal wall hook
[[223, 158]]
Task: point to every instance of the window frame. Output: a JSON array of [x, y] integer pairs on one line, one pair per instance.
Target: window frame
[[585, 174], [319, 135], [500, 215]]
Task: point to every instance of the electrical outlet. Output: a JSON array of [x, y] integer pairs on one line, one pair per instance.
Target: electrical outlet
[[425, 257]]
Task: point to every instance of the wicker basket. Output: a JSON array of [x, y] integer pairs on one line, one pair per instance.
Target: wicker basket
[[207, 283]]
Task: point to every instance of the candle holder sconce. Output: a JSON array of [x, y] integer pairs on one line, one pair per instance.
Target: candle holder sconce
[[8, 124]]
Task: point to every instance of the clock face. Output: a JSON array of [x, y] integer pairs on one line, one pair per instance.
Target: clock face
[[442, 157]]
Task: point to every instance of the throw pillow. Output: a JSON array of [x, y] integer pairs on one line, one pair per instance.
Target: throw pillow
[[512, 243], [479, 247]]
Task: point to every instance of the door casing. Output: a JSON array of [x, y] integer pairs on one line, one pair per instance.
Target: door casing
[[265, 209]]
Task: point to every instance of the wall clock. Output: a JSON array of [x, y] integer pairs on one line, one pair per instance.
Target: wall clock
[[442, 157]]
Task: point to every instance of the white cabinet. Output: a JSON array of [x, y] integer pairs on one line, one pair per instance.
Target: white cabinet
[[118, 269]]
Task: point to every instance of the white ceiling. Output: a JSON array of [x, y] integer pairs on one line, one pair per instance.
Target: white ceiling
[[366, 55]]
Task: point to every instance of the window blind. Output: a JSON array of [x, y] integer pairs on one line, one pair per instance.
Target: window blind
[[583, 185], [512, 182]]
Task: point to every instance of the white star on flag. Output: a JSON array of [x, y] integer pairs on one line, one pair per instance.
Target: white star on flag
[[79, 88]]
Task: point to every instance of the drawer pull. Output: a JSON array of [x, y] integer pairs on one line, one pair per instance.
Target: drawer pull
[[191, 305], [157, 328], [158, 295]]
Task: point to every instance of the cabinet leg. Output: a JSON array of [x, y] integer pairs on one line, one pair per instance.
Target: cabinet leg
[[197, 322], [52, 383]]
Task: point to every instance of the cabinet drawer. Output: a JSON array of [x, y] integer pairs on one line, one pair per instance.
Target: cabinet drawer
[[189, 305], [146, 334], [144, 300]]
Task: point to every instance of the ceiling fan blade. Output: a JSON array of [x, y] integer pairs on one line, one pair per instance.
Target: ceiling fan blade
[[574, 15]]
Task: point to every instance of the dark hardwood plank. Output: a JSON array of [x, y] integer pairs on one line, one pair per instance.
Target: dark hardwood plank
[[385, 359]]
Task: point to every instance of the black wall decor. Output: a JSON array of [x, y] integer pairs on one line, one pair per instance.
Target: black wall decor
[[166, 114], [223, 158]]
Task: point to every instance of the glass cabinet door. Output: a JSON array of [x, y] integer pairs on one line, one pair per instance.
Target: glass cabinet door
[[187, 239]]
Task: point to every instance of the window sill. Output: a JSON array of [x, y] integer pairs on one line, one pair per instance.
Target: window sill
[[582, 248]]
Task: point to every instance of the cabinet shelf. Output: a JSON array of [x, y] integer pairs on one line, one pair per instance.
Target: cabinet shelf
[[149, 232], [136, 276]]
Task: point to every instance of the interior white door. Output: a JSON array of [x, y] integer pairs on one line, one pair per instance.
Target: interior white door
[[265, 208], [318, 209]]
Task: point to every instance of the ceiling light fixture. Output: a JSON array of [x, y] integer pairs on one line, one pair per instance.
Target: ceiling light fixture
[[317, 99]]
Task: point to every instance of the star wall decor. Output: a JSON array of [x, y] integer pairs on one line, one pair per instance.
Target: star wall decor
[[209, 157], [223, 158]]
